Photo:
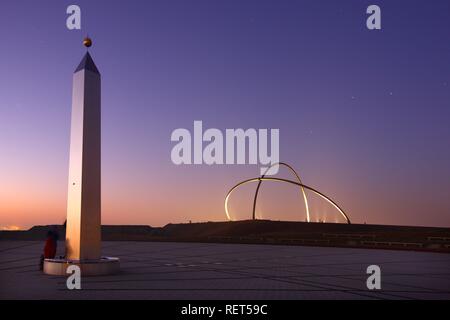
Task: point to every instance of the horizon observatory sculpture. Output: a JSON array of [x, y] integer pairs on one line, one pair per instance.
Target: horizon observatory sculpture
[[298, 183]]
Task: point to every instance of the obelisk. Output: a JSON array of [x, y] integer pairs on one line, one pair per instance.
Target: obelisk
[[83, 229]]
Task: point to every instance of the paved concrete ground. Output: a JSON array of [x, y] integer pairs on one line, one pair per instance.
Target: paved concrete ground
[[153, 270]]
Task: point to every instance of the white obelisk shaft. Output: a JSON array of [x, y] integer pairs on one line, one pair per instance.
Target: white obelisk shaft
[[83, 231]]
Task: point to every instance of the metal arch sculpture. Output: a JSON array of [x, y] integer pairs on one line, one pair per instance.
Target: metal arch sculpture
[[298, 179], [287, 181]]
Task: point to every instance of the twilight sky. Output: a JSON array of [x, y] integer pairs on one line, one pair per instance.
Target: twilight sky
[[363, 115]]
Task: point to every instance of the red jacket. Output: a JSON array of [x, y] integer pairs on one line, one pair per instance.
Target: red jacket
[[50, 248]]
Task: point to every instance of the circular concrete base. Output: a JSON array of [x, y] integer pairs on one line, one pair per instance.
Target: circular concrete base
[[102, 266]]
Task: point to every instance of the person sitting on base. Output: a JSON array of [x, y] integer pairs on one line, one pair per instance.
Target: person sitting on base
[[50, 247]]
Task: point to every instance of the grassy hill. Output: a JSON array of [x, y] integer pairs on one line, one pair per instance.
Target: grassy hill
[[270, 232]]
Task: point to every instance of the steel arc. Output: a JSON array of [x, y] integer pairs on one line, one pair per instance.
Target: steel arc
[[302, 189], [341, 211]]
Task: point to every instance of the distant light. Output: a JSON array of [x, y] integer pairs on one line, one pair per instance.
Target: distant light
[[10, 228]]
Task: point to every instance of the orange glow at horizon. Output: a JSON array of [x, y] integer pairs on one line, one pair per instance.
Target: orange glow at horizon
[[196, 194]]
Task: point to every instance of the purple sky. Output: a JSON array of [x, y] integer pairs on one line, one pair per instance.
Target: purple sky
[[363, 115]]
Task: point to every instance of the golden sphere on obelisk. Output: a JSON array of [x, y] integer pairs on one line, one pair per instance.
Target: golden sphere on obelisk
[[87, 42]]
